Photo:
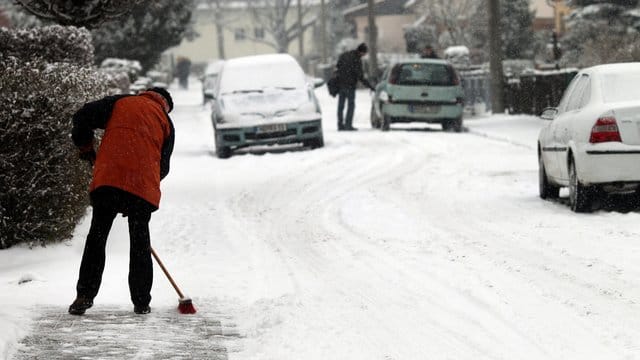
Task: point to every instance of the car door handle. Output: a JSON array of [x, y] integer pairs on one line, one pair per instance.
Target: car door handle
[[424, 94]]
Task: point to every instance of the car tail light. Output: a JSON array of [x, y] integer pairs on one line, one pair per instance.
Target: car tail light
[[605, 129], [395, 74]]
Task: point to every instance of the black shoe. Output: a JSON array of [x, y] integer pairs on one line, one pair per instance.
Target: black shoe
[[351, 129], [80, 305], [141, 309]]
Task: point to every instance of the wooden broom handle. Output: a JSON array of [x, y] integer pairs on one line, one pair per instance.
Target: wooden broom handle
[[166, 272]]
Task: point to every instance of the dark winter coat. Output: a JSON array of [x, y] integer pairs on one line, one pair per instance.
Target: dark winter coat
[[349, 70], [136, 147]]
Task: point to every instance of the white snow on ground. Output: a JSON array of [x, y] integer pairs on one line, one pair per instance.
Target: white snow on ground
[[411, 244]]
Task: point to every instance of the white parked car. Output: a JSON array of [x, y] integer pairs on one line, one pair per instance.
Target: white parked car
[[264, 100], [592, 141], [210, 79]]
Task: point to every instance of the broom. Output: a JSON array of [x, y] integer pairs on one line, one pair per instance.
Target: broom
[[185, 305]]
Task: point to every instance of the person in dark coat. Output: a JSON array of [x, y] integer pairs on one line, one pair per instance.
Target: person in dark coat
[[183, 69], [348, 73], [133, 157], [429, 53]]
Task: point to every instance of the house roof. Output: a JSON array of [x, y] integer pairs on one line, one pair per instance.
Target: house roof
[[382, 7]]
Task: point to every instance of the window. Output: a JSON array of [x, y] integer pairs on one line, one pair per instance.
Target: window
[[258, 33], [420, 74], [239, 34], [580, 94]]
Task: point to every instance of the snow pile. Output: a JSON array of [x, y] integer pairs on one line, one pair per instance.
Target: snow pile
[[458, 56]]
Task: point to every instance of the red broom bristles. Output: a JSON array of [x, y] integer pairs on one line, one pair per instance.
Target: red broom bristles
[[185, 306]]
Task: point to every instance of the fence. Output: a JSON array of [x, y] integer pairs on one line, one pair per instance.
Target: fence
[[527, 93]]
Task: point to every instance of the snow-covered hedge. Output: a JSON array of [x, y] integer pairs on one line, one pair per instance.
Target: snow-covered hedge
[[52, 43], [43, 185]]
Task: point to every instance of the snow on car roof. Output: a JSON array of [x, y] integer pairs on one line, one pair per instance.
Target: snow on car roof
[[261, 71], [631, 67], [214, 67]]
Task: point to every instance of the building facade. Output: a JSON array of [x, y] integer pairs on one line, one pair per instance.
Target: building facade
[[242, 35]]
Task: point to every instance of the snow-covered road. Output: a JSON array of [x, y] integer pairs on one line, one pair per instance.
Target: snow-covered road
[[411, 244]]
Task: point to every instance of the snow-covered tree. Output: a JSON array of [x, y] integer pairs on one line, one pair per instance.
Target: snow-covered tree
[[339, 28], [595, 32], [450, 18], [145, 33], [516, 23], [419, 35], [81, 13], [274, 17]]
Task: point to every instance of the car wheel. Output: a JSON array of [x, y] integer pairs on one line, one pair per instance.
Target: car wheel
[[314, 143], [579, 195], [223, 152], [456, 124], [547, 190], [446, 125], [375, 120], [386, 123]]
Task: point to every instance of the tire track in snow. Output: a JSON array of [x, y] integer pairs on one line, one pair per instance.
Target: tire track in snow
[[301, 254]]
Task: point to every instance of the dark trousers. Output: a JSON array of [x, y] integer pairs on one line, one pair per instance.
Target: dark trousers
[[107, 202], [349, 95]]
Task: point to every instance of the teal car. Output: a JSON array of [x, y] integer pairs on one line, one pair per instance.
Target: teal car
[[418, 90]]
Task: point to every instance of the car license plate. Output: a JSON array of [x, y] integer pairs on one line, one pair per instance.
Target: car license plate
[[424, 109], [272, 128]]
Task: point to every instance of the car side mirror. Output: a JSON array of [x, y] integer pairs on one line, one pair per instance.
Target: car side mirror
[[549, 113], [317, 82], [209, 95]]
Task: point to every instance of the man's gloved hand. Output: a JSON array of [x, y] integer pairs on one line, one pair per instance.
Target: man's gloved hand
[[89, 155]]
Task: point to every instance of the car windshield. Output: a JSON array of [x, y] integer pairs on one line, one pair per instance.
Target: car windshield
[[620, 87], [253, 77], [423, 74]]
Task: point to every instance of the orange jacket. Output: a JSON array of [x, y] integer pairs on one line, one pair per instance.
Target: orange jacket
[[136, 145]]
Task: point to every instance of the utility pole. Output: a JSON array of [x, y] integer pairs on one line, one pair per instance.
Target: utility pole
[[495, 58], [218, 22], [301, 31], [323, 31], [373, 42]]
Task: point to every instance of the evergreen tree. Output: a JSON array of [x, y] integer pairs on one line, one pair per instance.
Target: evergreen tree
[[595, 32], [516, 22], [145, 33]]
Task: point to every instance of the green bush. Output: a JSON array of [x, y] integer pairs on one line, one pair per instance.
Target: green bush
[[43, 185]]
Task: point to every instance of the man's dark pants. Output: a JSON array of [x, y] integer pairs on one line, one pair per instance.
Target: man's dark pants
[[347, 94], [107, 202]]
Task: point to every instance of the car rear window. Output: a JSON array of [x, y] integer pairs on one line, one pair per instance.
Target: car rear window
[[620, 87], [423, 74]]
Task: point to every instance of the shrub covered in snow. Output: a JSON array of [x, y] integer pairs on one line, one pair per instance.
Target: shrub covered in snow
[[44, 79], [52, 44], [595, 34], [121, 72]]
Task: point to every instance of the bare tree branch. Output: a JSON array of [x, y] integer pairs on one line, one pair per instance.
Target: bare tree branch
[[273, 16]]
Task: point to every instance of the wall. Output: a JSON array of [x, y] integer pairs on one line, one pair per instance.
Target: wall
[[205, 47], [390, 31]]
